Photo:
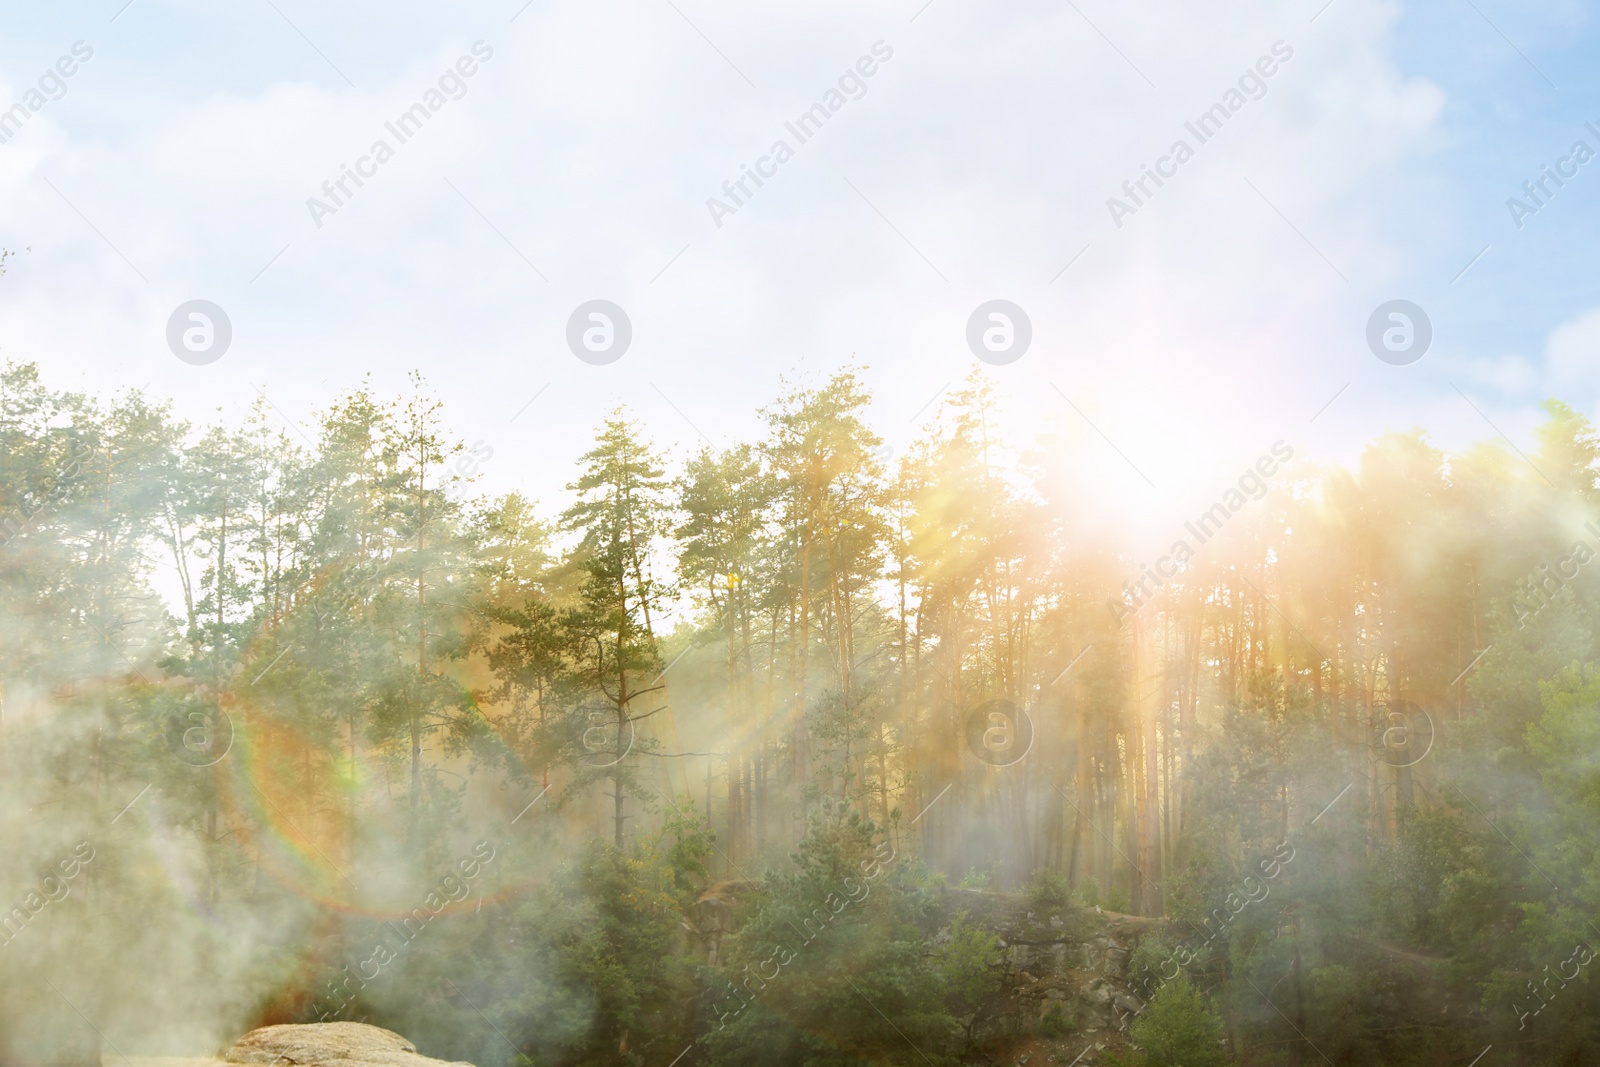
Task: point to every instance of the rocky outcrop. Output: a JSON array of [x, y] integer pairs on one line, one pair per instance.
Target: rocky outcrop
[[1067, 987], [713, 916], [328, 1045], [1067, 973]]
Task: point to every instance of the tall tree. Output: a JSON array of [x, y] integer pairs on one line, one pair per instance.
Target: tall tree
[[619, 516]]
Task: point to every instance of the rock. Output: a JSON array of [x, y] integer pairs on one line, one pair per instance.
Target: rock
[[1127, 1003], [1099, 997], [1087, 1017], [328, 1045], [714, 914]]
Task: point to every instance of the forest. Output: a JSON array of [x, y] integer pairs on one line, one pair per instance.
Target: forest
[[733, 757]]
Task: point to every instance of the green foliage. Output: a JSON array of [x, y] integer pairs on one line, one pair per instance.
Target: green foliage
[[1048, 892], [1178, 1029], [1090, 894], [981, 877], [1341, 1013], [1053, 1021], [971, 968], [393, 661], [1566, 742], [833, 966], [1442, 890], [612, 666], [583, 968], [1116, 899], [687, 842]]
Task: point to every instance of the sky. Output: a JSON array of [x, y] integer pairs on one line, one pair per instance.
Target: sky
[[1174, 339]]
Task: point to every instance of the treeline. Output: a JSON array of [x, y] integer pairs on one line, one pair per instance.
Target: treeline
[[704, 665]]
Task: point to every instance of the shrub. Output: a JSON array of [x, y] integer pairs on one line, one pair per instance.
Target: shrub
[[1178, 1029]]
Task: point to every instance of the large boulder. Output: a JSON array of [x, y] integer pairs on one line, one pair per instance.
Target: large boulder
[[328, 1045], [713, 916]]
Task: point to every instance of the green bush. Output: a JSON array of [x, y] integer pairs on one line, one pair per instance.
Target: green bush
[[833, 968], [1177, 1029], [1053, 1023], [1048, 892], [981, 877], [971, 970], [1117, 900]]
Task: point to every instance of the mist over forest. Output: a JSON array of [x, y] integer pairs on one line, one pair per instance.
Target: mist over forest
[[797, 751]]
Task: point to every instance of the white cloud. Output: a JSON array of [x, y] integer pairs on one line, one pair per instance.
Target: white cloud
[[990, 141], [1573, 354]]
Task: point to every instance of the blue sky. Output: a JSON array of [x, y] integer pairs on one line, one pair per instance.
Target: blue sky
[[977, 164]]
